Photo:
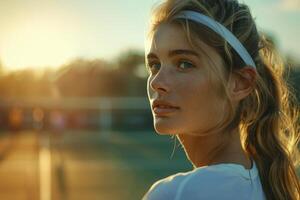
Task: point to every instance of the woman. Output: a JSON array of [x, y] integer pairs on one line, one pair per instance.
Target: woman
[[217, 85]]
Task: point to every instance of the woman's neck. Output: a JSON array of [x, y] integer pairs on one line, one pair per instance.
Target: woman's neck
[[199, 149]]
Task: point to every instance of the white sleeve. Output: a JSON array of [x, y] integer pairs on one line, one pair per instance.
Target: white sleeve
[[165, 189]]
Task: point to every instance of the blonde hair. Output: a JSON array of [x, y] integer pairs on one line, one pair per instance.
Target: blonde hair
[[267, 117]]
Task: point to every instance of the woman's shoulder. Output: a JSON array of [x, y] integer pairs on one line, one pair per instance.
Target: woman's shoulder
[[168, 188], [209, 182]]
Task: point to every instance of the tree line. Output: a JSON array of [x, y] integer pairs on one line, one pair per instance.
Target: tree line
[[125, 76]]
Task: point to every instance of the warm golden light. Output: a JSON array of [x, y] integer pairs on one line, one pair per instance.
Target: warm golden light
[[37, 41]]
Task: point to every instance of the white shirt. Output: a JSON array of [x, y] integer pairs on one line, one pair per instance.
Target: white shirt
[[225, 181]]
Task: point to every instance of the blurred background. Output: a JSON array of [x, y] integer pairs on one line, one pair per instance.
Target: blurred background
[[75, 122]]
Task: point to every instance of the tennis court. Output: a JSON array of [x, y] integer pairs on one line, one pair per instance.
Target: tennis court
[[83, 165]]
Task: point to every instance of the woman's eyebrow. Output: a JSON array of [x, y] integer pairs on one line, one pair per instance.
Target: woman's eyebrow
[[175, 53], [183, 52], [151, 55]]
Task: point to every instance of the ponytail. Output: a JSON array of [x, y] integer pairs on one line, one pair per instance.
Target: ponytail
[[271, 130]]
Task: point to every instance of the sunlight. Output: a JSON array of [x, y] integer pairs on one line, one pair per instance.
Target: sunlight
[[37, 42], [45, 170]]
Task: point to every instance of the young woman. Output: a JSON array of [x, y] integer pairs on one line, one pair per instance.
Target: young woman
[[217, 85]]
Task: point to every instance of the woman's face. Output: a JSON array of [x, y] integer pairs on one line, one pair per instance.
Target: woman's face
[[182, 97]]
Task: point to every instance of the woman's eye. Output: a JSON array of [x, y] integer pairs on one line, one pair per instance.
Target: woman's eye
[[153, 66], [185, 65]]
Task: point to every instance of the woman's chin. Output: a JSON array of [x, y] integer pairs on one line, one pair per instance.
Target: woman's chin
[[165, 128]]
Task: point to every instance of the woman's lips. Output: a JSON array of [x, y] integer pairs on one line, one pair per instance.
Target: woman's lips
[[162, 107]]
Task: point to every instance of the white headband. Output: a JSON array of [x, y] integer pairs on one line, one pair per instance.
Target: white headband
[[221, 30]]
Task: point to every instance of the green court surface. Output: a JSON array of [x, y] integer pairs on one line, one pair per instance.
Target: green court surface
[[121, 166]]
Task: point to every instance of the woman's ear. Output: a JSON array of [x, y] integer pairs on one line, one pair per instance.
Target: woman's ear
[[242, 83]]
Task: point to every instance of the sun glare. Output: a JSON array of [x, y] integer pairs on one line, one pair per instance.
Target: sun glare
[[36, 43]]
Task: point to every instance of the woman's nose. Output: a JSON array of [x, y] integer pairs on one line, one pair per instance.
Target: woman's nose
[[159, 81]]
